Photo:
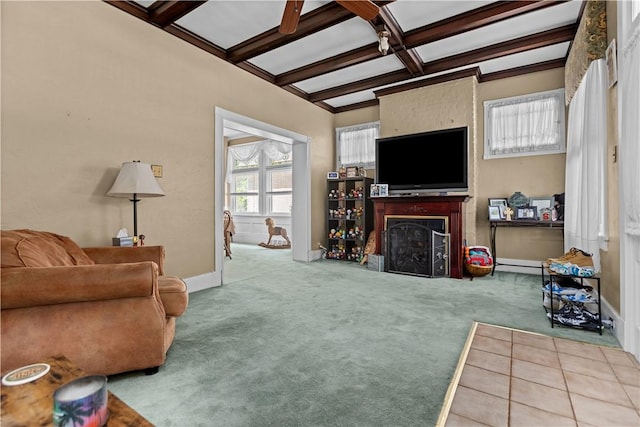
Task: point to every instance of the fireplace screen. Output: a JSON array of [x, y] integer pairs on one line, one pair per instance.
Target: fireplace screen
[[417, 246]]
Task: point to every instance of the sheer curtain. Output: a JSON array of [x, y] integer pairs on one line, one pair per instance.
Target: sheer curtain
[[274, 150], [629, 155], [585, 220], [524, 124], [357, 145]]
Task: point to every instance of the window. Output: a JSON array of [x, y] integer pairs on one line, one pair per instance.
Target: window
[[260, 179], [356, 145], [525, 125]]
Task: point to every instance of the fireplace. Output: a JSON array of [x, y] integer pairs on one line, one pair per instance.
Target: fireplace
[[429, 208], [417, 245]]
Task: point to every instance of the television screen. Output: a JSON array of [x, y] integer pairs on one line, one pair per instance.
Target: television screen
[[424, 162]]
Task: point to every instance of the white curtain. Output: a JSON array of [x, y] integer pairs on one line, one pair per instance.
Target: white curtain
[[525, 124], [629, 155], [274, 150], [357, 145], [629, 92], [585, 218]]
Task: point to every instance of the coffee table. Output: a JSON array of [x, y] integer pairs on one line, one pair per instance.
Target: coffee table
[[31, 404]]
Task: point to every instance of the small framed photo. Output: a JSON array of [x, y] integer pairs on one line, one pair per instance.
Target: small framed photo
[[384, 190], [541, 203], [494, 213], [501, 204], [612, 63], [526, 212], [352, 172]]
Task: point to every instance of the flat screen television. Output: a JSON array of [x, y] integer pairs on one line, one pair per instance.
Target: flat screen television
[[427, 162]]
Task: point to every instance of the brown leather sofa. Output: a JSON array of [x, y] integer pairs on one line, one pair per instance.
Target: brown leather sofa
[[107, 309]]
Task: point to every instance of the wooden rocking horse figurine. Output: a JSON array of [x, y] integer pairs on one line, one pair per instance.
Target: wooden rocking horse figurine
[[276, 231]]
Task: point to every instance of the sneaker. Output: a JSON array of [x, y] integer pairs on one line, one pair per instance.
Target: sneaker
[[564, 257], [586, 271], [546, 302], [580, 296], [574, 256]]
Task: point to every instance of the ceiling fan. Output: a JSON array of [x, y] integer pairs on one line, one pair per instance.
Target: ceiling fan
[[365, 9]]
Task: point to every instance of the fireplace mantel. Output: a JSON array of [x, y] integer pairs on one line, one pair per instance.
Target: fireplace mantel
[[449, 206]]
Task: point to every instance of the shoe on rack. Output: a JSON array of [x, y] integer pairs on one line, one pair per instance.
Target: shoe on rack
[[574, 256], [580, 296], [561, 259]]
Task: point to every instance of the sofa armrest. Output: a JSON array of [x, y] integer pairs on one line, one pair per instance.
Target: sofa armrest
[[122, 254], [40, 286]]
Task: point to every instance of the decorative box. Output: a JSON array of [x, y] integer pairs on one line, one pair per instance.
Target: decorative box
[[122, 241]]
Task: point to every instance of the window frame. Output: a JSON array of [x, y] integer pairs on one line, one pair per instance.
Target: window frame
[[265, 197], [557, 94]]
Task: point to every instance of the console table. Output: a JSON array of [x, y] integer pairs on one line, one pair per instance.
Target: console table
[[425, 206], [495, 224]]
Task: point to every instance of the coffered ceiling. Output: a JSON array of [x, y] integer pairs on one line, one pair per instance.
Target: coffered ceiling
[[332, 59]]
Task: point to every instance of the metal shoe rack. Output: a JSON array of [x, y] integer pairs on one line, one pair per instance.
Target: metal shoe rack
[[547, 273]]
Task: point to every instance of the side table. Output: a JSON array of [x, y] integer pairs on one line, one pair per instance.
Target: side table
[[31, 404]]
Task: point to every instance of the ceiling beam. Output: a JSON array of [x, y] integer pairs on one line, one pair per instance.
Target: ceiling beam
[[410, 59], [498, 50], [164, 13], [317, 20], [338, 62], [526, 69], [370, 83], [472, 20], [534, 41]]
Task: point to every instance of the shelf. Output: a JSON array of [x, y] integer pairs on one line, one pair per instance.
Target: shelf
[[572, 313], [361, 218]]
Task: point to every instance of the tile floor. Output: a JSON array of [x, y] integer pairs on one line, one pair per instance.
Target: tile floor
[[508, 377]]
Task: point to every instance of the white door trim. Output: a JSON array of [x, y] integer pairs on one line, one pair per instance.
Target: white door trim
[[301, 209]]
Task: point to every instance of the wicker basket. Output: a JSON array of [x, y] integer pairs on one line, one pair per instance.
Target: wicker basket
[[477, 270]]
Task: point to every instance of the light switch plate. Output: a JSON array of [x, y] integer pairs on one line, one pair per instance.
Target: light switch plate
[[157, 170]]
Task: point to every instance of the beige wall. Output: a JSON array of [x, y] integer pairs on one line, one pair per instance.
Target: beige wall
[[440, 106], [86, 87], [534, 176]]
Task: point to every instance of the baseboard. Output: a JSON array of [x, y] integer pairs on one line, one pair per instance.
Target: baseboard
[[525, 266], [203, 281], [608, 312]]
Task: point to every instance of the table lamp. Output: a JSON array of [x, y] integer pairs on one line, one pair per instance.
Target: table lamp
[[135, 180]]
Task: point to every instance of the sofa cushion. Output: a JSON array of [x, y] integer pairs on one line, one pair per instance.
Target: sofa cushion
[[174, 295], [30, 248]]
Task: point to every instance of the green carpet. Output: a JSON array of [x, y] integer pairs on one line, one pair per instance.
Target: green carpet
[[326, 343]]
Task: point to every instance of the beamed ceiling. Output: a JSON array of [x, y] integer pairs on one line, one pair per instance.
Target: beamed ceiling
[[332, 59]]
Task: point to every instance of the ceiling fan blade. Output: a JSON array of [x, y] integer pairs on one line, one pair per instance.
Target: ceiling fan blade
[[291, 16], [365, 9]]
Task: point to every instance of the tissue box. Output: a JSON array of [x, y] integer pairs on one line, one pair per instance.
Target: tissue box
[[123, 241]]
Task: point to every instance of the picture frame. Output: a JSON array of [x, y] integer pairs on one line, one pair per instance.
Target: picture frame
[[612, 63], [527, 212], [383, 190], [541, 203], [494, 213], [352, 172], [501, 204]]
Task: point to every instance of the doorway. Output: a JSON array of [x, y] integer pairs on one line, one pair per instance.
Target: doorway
[[301, 206]]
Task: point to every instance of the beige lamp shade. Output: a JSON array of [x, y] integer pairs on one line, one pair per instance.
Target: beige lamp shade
[[135, 180]]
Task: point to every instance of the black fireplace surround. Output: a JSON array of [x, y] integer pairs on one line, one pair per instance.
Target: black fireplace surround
[[417, 246]]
